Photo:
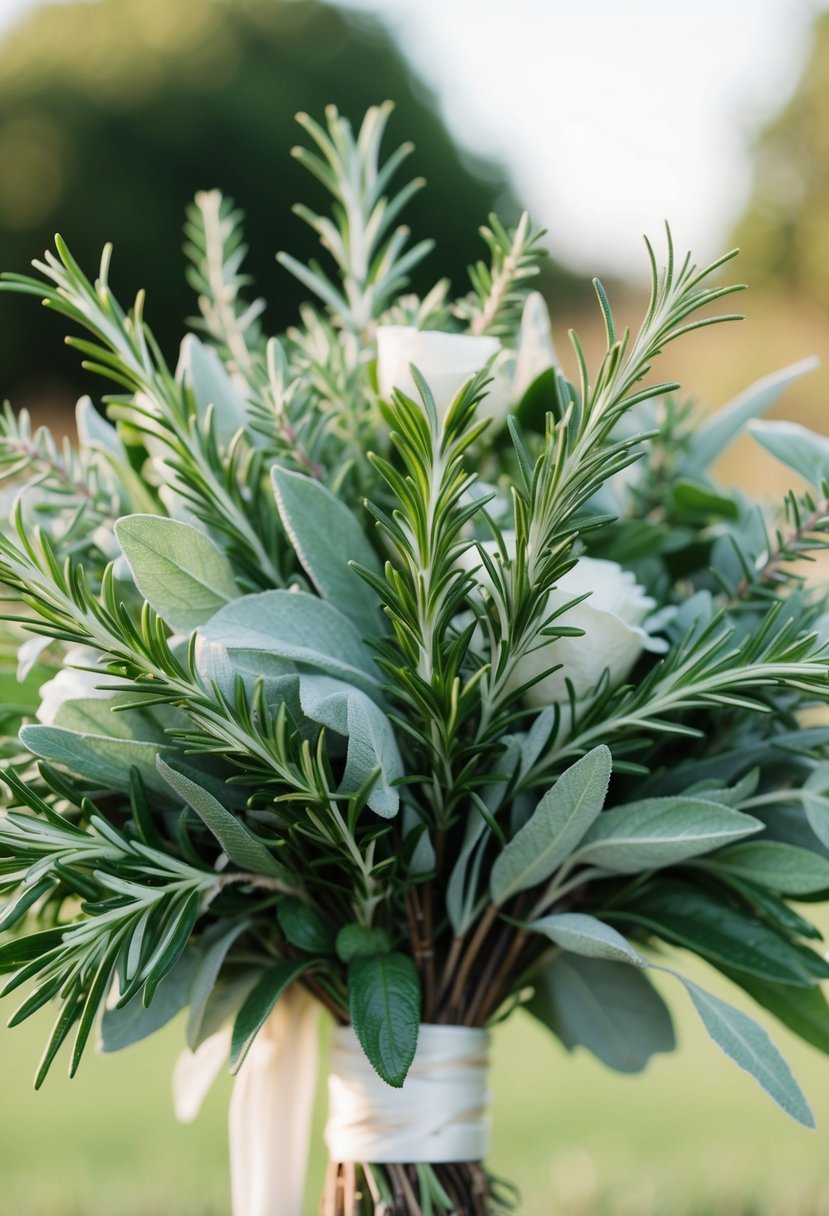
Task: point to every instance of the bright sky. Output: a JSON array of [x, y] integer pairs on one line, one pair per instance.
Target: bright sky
[[611, 115]]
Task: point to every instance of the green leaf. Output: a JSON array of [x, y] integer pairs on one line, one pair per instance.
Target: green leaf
[[748, 1045], [555, 828], [102, 760], [238, 842], [372, 747], [780, 867], [727, 936], [210, 958], [585, 935], [326, 536], [258, 1005], [714, 436], [304, 926], [358, 941], [804, 1010], [698, 499], [384, 1000], [661, 832], [134, 1021], [297, 626], [794, 445], [203, 371], [609, 1008], [179, 571]]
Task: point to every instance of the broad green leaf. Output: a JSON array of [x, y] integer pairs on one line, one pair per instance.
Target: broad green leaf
[[699, 499], [98, 759], [804, 1010], [134, 1021], [203, 372], [609, 1008], [213, 950], [238, 842], [258, 1005], [727, 936], [816, 801], [96, 716], [661, 832], [297, 626], [748, 1045], [179, 571], [716, 434], [358, 941], [585, 935], [780, 867], [326, 536], [384, 1001], [794, 445], [372, 747], [555, 828], [304, 926]]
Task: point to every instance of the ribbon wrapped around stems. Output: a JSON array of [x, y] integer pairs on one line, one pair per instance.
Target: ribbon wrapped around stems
[[438, 1115]]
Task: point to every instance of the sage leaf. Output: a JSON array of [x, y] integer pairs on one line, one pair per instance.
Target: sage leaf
[[201, 369], [210, 958], [128, 1024], [751, 1049], [238, 842], [609, 1008], [372, 747], [326, 536], [803, 1010], [97, 758], [585, 935], [780, 867], [661, 832], [384, 1001], [716, 434], [297, 626], [555, 828], [180, 572], [804, 451], [724, 935], [258, 1005]]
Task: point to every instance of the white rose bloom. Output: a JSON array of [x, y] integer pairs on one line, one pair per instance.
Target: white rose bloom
[[613, 619], [73, 684], [447, 361]]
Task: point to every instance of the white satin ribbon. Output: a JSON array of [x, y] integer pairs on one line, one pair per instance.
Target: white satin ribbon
[[270, 1108], [438, 1115]]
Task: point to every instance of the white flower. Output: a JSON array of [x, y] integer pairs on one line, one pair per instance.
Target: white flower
[[613, 619], [73, 684], [447, 361]]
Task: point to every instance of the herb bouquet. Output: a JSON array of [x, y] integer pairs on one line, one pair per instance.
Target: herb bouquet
[[397, 675]]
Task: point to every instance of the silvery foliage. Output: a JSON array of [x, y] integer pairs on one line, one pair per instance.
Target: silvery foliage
[[293, 749]]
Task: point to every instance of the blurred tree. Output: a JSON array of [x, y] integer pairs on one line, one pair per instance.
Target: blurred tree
[[114, 112], [784, 234]]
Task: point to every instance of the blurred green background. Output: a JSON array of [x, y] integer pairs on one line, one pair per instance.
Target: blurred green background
[[112, 114]]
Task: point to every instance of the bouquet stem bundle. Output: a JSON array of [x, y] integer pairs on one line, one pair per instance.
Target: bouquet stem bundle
[[382, 664]]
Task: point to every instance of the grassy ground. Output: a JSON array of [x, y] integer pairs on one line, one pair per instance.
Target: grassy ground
[[692, 1137]]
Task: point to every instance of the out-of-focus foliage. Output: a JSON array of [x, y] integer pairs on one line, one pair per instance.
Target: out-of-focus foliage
[[784, 234], [114, 112]]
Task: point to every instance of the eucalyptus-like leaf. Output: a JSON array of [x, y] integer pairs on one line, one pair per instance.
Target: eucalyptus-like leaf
[[179, 570], [124, 1025], [101, 760], [555, 828], [802, 450]]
